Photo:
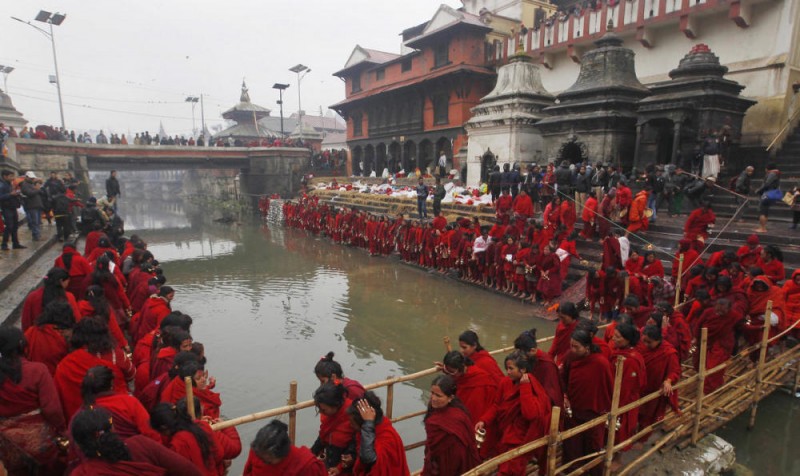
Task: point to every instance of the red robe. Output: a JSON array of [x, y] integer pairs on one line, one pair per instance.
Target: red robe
[[561, 341], [78, 270], [661, 364], [130, 417], [87, 310], [773, 269], [92, 239], [225, 445], [612, 256], [46, 345], [656, 268], [636, 216], [162, 362], [391, 453], [567, 216], [477, 390], [450, 442], [634, 379], [72, 369], [748, 256], [523, 206], [589, 386], [154, 310], [697, 224], [33, 308], [546, 373], [484, 360], [679, 335], [549, 284], [299, 462], [503, 204], [148, 459], [791, 295], [210, 400], [521, 414], [35, 391], [589, 218], [721, 342]]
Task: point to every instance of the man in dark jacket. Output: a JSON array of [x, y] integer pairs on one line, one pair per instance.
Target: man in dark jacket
[[112, 189], [564, 179], [495, 180], [33, 203], [582, 188], [9, 203]]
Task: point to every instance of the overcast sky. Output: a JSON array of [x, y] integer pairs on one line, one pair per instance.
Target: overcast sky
[[127, 66]]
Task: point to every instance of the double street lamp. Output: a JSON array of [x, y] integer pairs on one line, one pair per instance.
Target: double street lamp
[[51, 19], [6, 70], [299, 68], [280, 87], [194, 100]]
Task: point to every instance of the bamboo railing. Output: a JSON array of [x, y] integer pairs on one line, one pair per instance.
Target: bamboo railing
[[701, 415]]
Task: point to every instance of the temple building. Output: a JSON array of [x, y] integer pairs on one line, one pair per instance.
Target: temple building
[[9, 114], [403, 109]]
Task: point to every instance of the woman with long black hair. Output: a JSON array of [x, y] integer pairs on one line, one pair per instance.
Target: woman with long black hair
[[104, 277], [450, 441], [194, 439], [54, 288], [96, 304], [76, 265], [48, 340], [30, 412], [106, 454]]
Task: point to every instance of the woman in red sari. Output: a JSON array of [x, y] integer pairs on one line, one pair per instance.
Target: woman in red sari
[[48, 339], [652, 265], [328, 369], [634, 377], [189, 364], [130, 417], [93, 346], [771, 262], [791, 295], [194, 439], [106, 454], [76, 265], [336, 441], [379, 447], [567, 322], [114, 290], [588, 383], [476, 389], [97, 305], [548, 287], [30, 410], [450, 441], [471, 348], [663, 371], [545, 369], [173, 340], [272, 454], [53, 289], [520, 414]]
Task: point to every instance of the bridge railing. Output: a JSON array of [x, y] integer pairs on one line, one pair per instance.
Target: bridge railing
[[700, 415]]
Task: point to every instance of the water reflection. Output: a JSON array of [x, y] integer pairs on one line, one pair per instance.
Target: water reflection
[[269, 302]]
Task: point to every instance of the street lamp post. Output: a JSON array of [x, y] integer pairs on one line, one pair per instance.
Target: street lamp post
[[194, 100], [51, 19], [6, 70], [299, 68], [280, 87]]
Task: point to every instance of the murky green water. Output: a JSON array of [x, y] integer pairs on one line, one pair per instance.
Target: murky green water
[[268, 302]]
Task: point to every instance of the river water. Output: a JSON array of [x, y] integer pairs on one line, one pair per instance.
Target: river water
[[268, 302]]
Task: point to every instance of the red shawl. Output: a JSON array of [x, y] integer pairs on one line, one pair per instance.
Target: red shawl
[[391, 453], [774, 270], [679, 335], [154, 310], [70, 373], [484, 360], [634, 379], [32, 308], [791, 294], [336, 430], [46, 345], [450, 443], [87, 310], [299, 462], [612, 256], [35, 391], [656, 268], [561, 341], [758, 300], [130, 417], [546, 373], [97, 467], [79, 267], [209, 399], [162, 362], [477, 390], [661, 364], [589, 384]]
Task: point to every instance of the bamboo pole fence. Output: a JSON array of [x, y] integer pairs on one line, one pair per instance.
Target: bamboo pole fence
[[701, 415]]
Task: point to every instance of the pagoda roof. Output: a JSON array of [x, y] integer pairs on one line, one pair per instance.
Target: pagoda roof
[[245, 108]]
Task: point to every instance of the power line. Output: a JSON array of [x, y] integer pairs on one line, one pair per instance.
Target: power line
[[86, 106]]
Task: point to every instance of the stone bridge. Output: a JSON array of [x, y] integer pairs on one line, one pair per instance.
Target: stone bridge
[[260, 170]]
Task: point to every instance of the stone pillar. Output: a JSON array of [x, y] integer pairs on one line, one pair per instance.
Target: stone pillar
[[638, 147], [676, 141]]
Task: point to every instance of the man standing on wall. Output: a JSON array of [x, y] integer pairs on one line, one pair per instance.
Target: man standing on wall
[[112, 189]]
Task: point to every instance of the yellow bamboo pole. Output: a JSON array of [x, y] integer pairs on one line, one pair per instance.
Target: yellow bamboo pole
[[612, 415], [698, 410], [552, 442], [293, 413], [678, 282], [190, 397], [389, 400], [627, 285], [762, 359]]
